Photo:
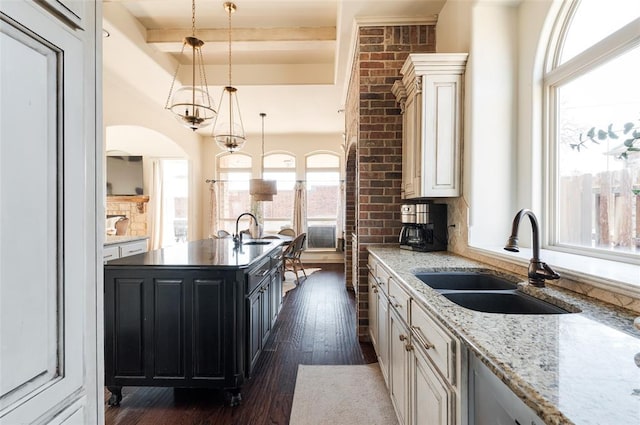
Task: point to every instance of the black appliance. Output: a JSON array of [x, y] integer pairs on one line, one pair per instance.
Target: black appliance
[[424, 227]]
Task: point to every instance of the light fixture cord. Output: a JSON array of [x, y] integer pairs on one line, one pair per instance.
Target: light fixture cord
[[229, 10], [193, 57], [262, 159]]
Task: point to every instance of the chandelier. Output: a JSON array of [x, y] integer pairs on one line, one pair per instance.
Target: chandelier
[[260, 189], [228, 131], [191, 105]]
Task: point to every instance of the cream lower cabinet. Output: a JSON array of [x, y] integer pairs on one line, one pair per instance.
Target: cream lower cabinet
[[399, 374], [421, 362], [431, 398], [373, 303]]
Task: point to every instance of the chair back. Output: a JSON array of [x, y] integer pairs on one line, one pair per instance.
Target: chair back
[[287, 232], [296, 246]]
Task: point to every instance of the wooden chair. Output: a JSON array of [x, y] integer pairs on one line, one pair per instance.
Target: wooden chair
[[291, 256], [288, 232]]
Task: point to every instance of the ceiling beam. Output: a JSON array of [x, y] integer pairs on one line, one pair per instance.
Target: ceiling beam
[[208, 35]]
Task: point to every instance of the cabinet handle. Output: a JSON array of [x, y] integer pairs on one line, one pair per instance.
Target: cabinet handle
[[394, 302], [108, 256], [375, 290], [422, 339], [265, 272], [133, 251]]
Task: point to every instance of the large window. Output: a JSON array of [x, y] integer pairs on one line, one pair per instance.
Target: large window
[[594, 131], [279, 212], [234, 173], [323, 197], [175, 197]]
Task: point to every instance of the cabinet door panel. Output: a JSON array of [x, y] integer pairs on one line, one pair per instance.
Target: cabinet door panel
[[169, 332], [208, 333], [432, 400], [398, 362], [255, 329], [383, 335], [129, 327]]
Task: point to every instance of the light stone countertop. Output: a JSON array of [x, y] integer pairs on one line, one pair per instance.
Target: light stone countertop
[[574, 368], [112, 239]]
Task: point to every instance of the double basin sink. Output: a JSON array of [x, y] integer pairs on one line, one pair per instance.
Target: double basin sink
[[486, 293]]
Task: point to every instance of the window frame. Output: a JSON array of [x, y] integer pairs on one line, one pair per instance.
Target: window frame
[[337, 169], [555, 75], [221, 199], [280, 170]]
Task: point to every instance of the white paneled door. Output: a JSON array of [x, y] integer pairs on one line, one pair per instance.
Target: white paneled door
[[50, 279]]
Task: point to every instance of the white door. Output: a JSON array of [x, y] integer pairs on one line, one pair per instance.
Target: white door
[[50, 277]]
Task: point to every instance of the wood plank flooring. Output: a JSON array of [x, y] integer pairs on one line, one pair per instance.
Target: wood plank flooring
[[316, 326]]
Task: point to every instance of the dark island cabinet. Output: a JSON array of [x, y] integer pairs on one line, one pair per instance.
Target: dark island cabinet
[[263, 304], [174, 328]]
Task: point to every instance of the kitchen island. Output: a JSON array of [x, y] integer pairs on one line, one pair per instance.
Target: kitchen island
[[195, 315]]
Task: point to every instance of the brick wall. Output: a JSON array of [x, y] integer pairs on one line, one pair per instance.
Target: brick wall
[[373, 119]]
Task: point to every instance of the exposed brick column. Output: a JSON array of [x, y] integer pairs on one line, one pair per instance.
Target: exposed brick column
[[380, 53]]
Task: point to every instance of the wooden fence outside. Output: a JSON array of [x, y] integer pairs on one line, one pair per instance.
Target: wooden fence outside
[[602, 210]]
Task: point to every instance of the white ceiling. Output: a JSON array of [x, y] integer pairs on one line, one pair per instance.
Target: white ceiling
[[290, 58]]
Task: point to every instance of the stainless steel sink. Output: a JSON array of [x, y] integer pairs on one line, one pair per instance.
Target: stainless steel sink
[[465, 281], [503, 302], [486, 292], [256, 243]]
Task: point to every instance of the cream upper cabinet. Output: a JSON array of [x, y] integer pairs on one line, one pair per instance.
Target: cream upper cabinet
[[431, 100]]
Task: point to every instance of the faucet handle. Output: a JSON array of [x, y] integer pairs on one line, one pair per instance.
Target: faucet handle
[[539, 272]]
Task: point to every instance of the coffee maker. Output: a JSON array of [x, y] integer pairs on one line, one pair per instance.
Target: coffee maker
[[424, 227]]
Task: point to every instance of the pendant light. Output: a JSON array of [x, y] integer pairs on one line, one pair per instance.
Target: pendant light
[[228, 131], [260, 189], [192, 105]]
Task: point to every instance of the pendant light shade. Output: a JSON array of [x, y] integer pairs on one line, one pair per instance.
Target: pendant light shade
[[260, 189], [191, 104], [228, 130]]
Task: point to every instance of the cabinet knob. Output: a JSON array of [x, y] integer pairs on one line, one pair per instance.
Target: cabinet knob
[[402, 337], [408, 347]]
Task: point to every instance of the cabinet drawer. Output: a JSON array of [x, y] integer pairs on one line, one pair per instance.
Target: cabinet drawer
[[133, 248], [382, 279], [399, 299], [431, 338], [110, 252]]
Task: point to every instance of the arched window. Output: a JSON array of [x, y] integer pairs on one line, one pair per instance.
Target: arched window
[[593, 116], [323, 200], [234, 173], [279, 212]]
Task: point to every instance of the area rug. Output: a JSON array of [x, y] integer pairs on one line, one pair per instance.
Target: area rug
[[334, 395], [289, 282]]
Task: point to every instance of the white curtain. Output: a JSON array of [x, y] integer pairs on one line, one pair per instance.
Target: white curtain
[[155, 207], [213, 208], [300, 208], [340, 219]]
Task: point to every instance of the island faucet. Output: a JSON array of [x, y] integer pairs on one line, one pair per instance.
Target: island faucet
[[237, 237], [538, 271]]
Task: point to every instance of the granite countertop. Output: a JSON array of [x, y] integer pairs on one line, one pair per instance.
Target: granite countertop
[[112, 239], [206, 253], [577, 368]]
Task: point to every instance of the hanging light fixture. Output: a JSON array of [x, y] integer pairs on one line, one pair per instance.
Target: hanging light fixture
[[228, 131], [192, 105], [260, 189]]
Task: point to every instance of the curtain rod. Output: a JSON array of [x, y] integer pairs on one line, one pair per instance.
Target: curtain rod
[[225, 181]]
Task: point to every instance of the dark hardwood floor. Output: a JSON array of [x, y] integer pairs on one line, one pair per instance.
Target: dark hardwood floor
[[316, 326]]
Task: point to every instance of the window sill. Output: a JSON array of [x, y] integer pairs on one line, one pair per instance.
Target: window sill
[[605, 274]]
